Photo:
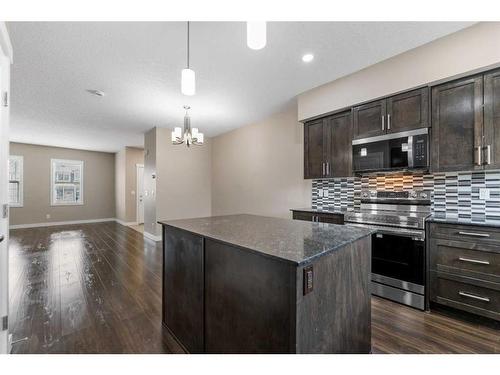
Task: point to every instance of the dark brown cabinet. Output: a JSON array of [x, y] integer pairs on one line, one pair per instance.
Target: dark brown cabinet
[[402, 112], [466, 124], [318, 217], [457, 123], [327, 147], [464, 264]]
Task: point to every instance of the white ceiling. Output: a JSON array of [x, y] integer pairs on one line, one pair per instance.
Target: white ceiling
[[138, 64]]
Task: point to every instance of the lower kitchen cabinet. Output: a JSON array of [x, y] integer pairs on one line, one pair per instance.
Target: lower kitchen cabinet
[[319, 217], [464, 268]]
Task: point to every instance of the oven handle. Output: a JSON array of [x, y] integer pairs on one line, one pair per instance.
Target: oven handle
[[417, 236]]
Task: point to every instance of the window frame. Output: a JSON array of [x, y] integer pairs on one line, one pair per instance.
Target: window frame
[[21, 181], [53, 183]]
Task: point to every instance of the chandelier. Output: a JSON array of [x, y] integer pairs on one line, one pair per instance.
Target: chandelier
[[189, 136]]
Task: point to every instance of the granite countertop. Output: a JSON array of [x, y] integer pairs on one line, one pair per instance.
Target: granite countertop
[[336, 211], [294, 241], [462, 221]]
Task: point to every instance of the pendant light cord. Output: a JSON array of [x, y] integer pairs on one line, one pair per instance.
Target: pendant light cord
[[188, 44]]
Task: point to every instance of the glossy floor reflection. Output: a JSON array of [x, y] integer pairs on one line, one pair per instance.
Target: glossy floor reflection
[[96, 288]]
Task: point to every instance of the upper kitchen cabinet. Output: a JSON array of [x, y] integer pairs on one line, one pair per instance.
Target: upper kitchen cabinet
[[491, 145], [457, 125], [369, 119], [402, 112], [314, 149], [408, 111], [338, 147], [327, 146]]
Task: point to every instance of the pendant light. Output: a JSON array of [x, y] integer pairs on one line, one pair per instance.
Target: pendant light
[[188, 80], [256, 35], [189, 136]]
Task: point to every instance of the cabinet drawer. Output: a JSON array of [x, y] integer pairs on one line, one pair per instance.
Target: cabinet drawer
[[466, 294], [299, 215], [331, 218], [475, 233], [465, 258], [319, 217]]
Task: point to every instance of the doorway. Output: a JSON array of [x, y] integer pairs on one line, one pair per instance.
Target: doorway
[[140, 194]]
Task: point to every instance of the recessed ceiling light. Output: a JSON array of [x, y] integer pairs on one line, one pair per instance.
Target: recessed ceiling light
[[96, 92], [308, 57]]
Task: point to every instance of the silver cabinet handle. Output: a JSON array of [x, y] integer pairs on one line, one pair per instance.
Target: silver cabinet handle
[[488, 155], [327, 168], [388, 122], [323, 165], [383, 122], [478, 155], [476, 261], [473, 296], [472, 234]]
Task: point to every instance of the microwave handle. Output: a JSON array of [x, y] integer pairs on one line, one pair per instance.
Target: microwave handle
[[410, 151]]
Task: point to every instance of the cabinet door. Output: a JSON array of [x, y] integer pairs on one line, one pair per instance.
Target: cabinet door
[[369, 119], [492, 120], [457, 123], [313, 150], [339, 145], [408, 111]]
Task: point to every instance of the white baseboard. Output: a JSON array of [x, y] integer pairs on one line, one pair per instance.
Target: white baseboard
[[152, 236], [54, 223]]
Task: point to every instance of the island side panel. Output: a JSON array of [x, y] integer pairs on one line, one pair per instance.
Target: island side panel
[[249, 301], [335, 317], [183, 287]]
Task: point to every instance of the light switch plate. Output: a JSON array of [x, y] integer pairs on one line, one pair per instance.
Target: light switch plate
[[484, 193]]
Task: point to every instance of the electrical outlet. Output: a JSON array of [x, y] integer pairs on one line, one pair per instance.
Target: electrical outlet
[[484, 193], [47, 216], [320, 193], [325, 193]]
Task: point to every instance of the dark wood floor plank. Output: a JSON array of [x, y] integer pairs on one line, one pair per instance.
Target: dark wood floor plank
[[96, 288]]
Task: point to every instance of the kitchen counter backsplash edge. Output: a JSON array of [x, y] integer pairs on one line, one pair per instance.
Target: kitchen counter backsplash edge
[[454, 195]]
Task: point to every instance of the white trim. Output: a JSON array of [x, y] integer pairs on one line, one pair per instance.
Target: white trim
[[152, 236], [54, 223], [137, 166], [52, 182]]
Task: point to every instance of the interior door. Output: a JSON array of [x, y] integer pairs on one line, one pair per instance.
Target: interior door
[[4, 220], [491, 150], [339, 145], [369, 119], [140, 194], [314, 160], [457, 125], [408, 111]]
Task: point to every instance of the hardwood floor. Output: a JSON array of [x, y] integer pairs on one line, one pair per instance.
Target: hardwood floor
[[96, 288]]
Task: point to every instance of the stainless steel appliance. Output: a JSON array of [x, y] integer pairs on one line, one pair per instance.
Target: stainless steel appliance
[[397, 151], [398, 246]]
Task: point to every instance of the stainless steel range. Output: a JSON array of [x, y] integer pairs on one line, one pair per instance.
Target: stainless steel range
[[398, 247]]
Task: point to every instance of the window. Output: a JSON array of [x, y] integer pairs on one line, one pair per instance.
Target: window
[[66, 182], [15, 181]]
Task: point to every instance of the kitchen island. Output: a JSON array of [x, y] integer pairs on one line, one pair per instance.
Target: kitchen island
[[254, 284]]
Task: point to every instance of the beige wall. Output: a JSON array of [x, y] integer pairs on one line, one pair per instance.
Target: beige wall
[[182, 188], [120, 185], [467, 50], [259, 169], [150, 225], [98, 185], [126, 161]]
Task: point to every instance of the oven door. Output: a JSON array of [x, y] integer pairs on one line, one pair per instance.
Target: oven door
[[398, 257]]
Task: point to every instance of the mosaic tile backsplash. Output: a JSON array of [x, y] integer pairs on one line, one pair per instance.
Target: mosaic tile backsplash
[[454, 195]]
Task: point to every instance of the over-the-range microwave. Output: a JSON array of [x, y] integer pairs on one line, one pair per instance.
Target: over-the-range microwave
[[391, 152]]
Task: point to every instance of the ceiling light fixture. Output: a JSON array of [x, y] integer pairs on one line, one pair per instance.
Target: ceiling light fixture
[[189, 136], [256, 35], [308, 57], [188, 79]]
